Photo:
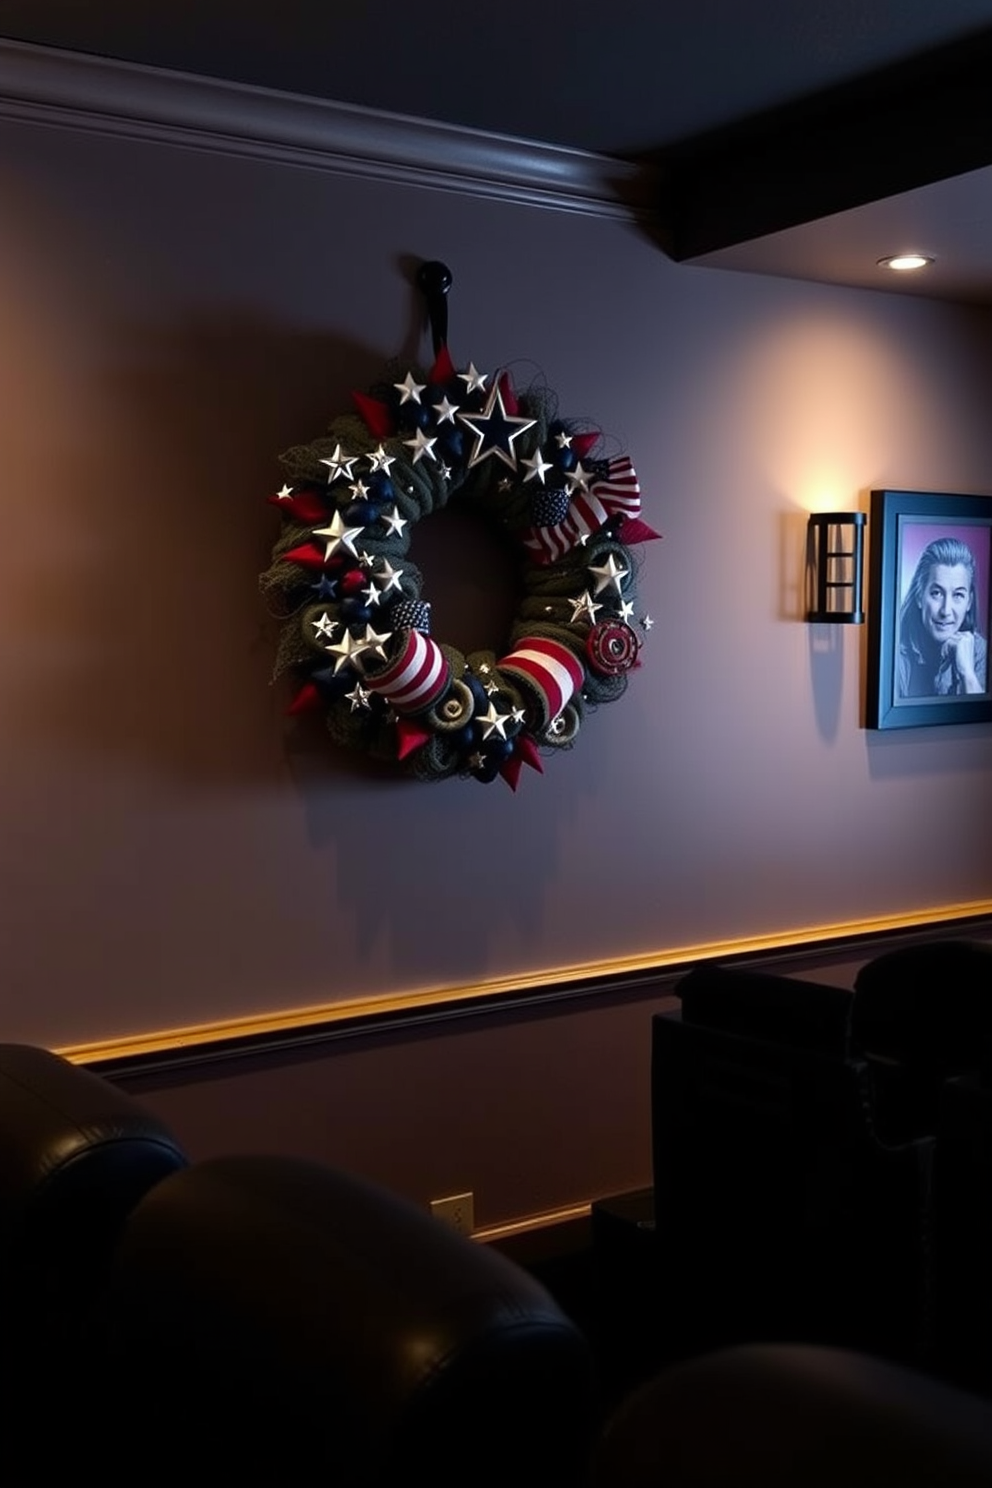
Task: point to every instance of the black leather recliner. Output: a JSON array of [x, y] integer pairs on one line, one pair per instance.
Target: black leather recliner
[[76, 1156], [298, 1324], [924, 1017], [253, 1319], [795, 1416], [795, 1151]]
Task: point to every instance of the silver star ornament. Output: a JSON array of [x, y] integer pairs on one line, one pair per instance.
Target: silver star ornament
[[421, 445], [339, 464], [337, 535], [609, 573]]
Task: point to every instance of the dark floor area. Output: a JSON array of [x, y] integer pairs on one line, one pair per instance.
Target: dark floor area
[[602, 1271]]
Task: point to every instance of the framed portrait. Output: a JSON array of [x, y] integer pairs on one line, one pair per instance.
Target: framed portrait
[[930, 560]]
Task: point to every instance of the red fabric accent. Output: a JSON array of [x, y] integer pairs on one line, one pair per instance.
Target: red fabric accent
[[443, 369], [582, 444], [510, 405], [306, 554], [510, 770], [376, 415], [306, 506], [411, 736], [529, 753], [305, 700], [525, 752], [636, 531]]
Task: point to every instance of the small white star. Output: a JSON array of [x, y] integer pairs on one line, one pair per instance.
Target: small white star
[[536, 465], [646, 622], [324, 625], [391, 575], [518, 715], [475, 382], [346, 651], [357, 697], [421, 446], [476, 761], [339, 464], [379, 460], [394, 522], [491, 687], [564, 440], [284, 493], [626, 609], [359, 490], [375, 643], [584, 607], [444, 471], [445, 411], [493, 722], [338, 536], [409, 390], [579, 478], [609, 573], [371, 595]]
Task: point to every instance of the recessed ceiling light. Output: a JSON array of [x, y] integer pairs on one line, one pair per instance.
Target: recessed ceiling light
[[904, 263]]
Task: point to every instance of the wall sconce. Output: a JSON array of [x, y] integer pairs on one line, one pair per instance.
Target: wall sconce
[[835, 545]]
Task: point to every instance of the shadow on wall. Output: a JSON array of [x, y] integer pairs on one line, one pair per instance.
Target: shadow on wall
[[826, 671], [150, 636], [825, 643], [147, 655]]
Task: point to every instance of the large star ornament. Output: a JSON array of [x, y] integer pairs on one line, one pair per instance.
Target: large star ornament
[[495, 430], [337, 535]]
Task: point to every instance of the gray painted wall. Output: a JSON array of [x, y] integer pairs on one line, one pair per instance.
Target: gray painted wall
[[175, 850]]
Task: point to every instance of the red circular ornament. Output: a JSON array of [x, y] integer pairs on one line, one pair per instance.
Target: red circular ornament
[[612, 648]]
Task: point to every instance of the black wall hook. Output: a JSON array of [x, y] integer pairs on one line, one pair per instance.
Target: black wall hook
[[434, 281]]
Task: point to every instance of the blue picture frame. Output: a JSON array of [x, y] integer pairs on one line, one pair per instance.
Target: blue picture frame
[[914, 681]]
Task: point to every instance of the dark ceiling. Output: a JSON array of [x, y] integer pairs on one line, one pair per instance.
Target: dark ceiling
[[799, 137]]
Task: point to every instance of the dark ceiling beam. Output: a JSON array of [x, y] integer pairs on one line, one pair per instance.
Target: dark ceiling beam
[[894, 130]]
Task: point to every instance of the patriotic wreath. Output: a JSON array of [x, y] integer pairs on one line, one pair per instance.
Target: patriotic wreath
[[355, 627]]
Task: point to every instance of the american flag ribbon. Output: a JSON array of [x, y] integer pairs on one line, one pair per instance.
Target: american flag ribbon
[[617, 491]]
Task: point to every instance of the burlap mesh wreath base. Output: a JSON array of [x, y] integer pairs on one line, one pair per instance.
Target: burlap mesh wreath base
[[355, 624]]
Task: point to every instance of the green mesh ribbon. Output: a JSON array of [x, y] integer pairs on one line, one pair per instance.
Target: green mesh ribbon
[[354, 621]]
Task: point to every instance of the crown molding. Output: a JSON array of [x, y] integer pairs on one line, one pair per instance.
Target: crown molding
[[78, 91]]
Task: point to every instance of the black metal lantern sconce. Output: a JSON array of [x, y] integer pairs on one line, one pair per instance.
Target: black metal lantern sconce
[[835, 547]]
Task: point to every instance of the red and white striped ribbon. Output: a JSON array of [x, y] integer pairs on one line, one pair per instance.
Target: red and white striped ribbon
[[416, 678], [548, 669]]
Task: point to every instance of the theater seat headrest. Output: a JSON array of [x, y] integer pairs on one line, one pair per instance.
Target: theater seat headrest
[[927, 1006], [764, 1005]]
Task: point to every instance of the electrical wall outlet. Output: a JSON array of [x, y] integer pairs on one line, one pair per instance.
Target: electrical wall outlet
[[458, 1211]]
